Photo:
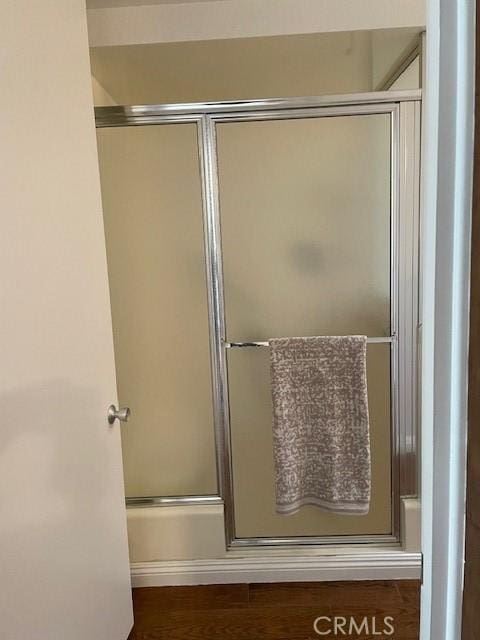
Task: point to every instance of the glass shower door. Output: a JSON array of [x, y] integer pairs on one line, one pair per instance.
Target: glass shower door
[[305, 213], [152, 201], [309, 223]]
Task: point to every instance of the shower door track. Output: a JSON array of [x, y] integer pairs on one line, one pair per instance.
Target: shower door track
[[402, 106]]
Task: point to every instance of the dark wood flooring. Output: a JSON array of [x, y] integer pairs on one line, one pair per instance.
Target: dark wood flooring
[[280, 611]]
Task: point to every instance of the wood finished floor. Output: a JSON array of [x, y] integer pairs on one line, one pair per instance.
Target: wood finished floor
[[281, 611]]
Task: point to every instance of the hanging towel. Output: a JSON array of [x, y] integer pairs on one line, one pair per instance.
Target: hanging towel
[[320, 423]]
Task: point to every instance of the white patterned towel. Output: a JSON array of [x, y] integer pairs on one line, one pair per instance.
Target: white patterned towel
[[320, 423]]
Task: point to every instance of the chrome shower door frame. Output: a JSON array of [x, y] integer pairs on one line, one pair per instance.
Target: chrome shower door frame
[[403, 108]]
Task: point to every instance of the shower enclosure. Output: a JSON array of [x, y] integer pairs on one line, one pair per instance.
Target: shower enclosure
[[228, 224]]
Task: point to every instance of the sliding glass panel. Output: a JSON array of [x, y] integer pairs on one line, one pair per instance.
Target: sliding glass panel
[[305, 218], [154, 233], [305, 213], [252, 451]]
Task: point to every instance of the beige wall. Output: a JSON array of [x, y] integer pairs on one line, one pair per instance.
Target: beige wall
[[388, 48], [176, 533], [314, 64], [235, 69], [409, 78], [194, 21], [100, 95]]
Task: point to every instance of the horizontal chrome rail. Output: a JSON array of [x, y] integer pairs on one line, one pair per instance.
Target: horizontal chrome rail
[[121, 115], [173, 501], [231, 345]]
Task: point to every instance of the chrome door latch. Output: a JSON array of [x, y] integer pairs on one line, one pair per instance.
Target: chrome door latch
[[122, 414]]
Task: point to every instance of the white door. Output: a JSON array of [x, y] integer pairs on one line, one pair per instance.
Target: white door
[[63, 546]]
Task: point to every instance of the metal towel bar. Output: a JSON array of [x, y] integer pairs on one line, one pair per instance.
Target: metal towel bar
[[231, 345]]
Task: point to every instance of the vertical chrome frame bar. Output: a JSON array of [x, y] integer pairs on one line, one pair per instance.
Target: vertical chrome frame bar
[[394, 314], [400, 106], [213, 253], [409, 176]]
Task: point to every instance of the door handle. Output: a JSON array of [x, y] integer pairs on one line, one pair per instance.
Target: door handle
[[122, 414]]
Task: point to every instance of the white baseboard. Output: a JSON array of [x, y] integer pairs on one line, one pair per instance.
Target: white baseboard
[[374, 565]]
